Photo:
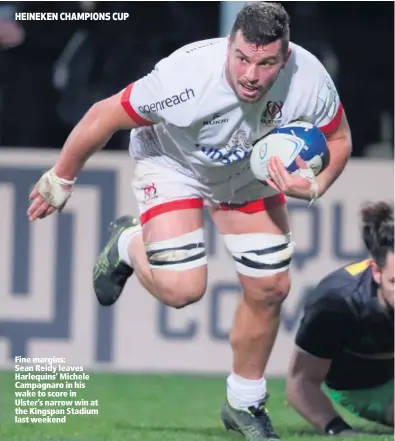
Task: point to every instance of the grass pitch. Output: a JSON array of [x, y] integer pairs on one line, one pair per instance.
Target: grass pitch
[[158, 408]]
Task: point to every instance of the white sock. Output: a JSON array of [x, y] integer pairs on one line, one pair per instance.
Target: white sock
[[124, 241], [243, 393]]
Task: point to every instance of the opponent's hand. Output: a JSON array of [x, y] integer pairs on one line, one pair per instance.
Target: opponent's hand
[[50, 194], [301, 186]]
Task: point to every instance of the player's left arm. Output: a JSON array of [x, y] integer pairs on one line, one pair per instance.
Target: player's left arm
[[330, 117], [325, 111], [340, 147]]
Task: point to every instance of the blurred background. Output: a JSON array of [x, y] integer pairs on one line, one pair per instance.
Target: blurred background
[[51, 72]]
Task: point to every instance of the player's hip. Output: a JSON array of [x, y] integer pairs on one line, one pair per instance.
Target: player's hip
[[149, 145], [161, 179]]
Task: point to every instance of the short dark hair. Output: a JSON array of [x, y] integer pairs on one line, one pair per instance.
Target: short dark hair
[[262, 23], [378, 230]]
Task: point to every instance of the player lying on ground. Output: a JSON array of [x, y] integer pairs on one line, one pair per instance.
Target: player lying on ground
[[345, 343], [195, 118]]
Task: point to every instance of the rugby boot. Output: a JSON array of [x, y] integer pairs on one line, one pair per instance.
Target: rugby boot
[[254, 423], [110, 273]]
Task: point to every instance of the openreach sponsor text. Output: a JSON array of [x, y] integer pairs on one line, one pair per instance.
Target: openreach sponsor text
[[170, 101], [71, 16]]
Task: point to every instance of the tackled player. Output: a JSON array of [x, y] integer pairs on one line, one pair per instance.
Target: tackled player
[[345, 341]]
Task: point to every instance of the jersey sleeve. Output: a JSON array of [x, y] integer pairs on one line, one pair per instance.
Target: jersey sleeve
[[165, 94], [326, 107], [327, 321]]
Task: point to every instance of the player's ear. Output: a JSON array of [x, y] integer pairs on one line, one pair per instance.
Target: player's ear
[[229, 38], [376, 272], [286, 57]]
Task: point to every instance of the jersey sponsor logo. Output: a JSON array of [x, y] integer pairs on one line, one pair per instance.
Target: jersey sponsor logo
[[273, 112], [237, 149], [168, 102], [216, 155], [215, 120]]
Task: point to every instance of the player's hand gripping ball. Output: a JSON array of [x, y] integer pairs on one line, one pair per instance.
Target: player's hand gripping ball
[[298, 138]]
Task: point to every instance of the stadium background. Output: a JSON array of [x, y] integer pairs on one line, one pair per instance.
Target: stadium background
[[47, 81]]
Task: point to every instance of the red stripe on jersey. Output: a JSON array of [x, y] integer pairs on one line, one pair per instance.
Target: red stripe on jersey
[[259, 205], [181, 204], [334, 124], [125, 101]]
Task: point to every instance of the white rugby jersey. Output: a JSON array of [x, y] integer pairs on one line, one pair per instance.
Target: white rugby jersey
[[190, 113]]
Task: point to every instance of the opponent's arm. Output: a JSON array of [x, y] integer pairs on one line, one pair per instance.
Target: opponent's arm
[[323, 332], [305, 377]]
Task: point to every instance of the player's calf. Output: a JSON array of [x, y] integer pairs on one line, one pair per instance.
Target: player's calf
[[256, 325]]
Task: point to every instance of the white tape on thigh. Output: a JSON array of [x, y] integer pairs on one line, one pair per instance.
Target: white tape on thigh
[[260, 254], [178, 254]]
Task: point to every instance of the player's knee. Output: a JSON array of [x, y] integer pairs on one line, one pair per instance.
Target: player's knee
[[267, 291], [179, 268], [264, 260], [183, 293]]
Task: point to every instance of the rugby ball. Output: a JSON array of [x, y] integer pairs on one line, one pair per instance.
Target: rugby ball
[[298, 138]]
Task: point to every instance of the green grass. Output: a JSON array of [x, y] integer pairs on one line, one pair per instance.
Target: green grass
[[157, 408]]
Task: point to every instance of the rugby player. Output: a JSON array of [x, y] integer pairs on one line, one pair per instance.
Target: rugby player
[[194, 121], [345, 342]]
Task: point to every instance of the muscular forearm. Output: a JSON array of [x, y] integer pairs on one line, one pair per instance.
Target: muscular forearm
[[340, 151], [89, 135], [310, 401]]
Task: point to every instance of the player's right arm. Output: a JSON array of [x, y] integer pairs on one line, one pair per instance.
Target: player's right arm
[[91, 134], [164, 94], [319, 338]]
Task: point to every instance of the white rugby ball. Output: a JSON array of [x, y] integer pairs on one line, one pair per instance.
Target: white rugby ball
[[298, 138]]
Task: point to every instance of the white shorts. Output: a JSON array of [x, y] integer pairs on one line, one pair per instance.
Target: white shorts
[[160, 189]]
